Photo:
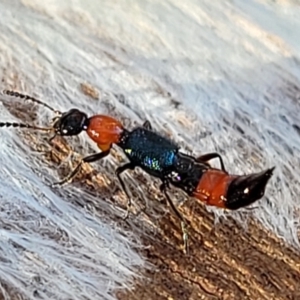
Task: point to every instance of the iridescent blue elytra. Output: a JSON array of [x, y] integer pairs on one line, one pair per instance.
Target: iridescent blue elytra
[[150, 151]]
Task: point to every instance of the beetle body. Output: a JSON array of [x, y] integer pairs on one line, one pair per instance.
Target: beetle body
[[158, 156]]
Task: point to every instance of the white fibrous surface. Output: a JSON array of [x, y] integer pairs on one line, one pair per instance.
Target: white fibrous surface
[[219, 76]]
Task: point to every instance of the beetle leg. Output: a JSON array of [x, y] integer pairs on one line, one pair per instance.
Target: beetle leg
[[147, 125], [163, 188], [119, 171], [87, 159], [209, 156]]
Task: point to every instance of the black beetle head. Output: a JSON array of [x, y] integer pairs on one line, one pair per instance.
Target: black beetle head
[[70, 123]]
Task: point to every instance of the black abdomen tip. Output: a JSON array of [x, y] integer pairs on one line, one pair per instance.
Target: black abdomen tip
[[245, 190]]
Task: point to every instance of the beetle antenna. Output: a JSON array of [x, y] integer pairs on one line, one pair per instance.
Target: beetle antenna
[[26, 97], [24, 125]]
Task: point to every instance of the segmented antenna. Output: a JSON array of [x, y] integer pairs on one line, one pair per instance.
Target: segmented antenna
[[26, 97], [23, 125]]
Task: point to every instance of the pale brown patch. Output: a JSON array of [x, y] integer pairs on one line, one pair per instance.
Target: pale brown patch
[[89, 91]]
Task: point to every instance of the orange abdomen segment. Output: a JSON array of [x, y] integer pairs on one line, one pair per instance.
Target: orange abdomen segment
[[212, 187], [104, 130]]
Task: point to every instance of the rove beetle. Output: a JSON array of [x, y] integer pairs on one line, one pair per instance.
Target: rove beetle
[[159, 157]]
